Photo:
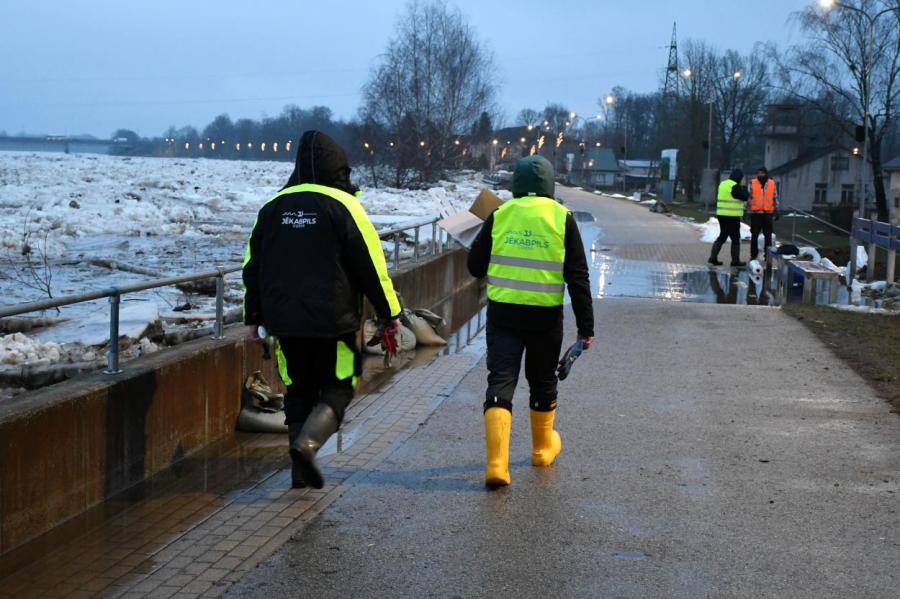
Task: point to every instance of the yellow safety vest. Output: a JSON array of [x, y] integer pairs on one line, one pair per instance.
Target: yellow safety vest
[[726, 204], [528, 252]]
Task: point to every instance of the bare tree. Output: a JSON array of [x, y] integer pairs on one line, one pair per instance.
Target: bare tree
[[31, 268], [434, 79], [741, 88], [700, 72], [528, 116], [851, 59]]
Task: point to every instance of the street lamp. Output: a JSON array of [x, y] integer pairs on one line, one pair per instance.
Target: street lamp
[[610, 101], [827, 5], [734, 77]]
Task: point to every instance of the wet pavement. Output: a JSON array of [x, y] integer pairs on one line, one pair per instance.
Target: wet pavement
[[697, 462], [195, 528], [709, 451]]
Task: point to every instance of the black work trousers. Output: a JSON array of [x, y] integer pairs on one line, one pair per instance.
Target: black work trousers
[[729, 227], [319, 370], [505, 347], [760, 222]]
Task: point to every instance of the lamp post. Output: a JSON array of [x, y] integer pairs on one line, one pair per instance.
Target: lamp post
[[734, 78], [862, 194], [610, 101]]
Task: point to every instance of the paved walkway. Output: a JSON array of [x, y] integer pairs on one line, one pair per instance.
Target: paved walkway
[[710, 451]]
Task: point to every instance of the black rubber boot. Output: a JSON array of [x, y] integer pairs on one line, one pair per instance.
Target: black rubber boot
[[714, 254], [297, 480], [321, 424], [736, 254]]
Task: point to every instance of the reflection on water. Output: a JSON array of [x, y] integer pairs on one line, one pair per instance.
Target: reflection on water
[[616, 277]]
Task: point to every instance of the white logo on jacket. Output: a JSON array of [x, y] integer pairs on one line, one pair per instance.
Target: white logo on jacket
[[298, 219]]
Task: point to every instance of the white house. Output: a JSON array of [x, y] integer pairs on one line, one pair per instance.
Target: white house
[[811, 178]]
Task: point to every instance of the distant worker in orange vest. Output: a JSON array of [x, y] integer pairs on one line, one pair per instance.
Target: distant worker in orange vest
[[763, 211]]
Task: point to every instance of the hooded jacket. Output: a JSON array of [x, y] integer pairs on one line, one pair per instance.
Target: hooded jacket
[[534, 176], [313, 253], [739, 192]]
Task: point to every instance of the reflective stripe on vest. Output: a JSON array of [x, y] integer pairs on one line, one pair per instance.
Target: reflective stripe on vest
[[528, 252], [762, 200], [726, 205]]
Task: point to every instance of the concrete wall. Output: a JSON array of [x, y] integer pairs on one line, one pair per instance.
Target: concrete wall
[[65, 448]]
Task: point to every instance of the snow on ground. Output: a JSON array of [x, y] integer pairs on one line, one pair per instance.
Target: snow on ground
[[863, 309], [166, 216], [710, 230], [19, 348]]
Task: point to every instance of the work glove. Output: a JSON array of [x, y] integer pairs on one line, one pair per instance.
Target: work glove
[[386, 335], [778, 215]]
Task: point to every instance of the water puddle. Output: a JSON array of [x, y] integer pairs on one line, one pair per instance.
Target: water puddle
[[630, 556], [617, 277]]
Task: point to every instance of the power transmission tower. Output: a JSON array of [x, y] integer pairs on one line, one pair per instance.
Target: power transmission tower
[[672, 82]]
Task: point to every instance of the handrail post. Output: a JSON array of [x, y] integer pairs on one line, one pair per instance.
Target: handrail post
[[416, 245], [434, 233], [396, 251], [218, 328], [112, 356]]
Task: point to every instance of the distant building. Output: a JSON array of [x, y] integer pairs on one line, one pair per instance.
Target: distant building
[[600, 167], [639, 171], [812, 179]]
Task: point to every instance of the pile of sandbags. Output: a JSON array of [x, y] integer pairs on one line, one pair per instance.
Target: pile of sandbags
[[417, 327]]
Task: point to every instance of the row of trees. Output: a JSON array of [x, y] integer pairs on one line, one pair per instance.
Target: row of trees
[[429, 102]]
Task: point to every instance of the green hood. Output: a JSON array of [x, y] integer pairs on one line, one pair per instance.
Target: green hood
[[533, 177]]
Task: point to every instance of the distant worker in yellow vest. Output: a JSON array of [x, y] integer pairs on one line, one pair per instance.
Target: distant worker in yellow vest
[[729, 211], [530, 250], [763, 211]]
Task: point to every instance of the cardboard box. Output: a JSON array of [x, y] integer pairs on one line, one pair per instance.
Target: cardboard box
[[463, 227], [485, 204]]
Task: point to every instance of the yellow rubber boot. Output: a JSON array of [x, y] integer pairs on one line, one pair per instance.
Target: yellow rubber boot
[[497, 424], [545, 442]]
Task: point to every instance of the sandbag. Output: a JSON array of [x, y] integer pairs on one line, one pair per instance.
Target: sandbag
[[425, 335], [407, 341], [253, 420]]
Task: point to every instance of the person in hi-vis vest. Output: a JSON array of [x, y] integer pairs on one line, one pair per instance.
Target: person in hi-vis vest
[[729, 211], [530, 250], [763, 211], [313, 254]]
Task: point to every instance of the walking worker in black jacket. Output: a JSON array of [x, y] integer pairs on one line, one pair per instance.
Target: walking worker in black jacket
[[530, 250], [312, 254]]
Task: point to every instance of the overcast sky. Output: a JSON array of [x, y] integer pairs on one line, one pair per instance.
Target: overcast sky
[[92, 66]]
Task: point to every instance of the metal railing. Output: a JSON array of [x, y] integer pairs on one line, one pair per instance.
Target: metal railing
[[437, 245], [795, 236]]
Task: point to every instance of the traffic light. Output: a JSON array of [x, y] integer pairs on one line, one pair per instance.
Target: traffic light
[[860, 133]]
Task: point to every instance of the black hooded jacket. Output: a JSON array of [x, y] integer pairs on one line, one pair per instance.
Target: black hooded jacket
[[312, 256]]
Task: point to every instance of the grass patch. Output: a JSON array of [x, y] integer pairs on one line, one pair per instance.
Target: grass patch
[[821, 235], [868, 343], [689, 210]]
